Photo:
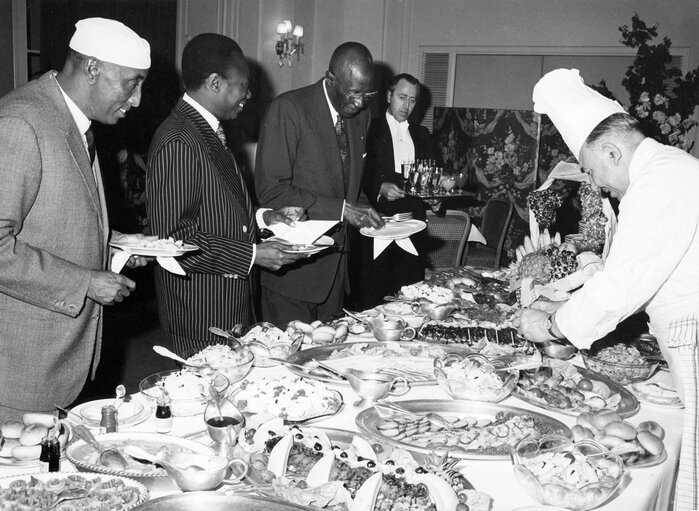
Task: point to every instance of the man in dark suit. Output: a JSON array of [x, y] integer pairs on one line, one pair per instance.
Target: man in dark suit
[[196, 193], [311, 154], [392, 141]]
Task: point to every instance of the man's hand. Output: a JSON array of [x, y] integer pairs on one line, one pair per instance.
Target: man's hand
[[391, 191], [362, 217], [531, 324], [547, 306], [287, 215], [108, 288], [270, 254]]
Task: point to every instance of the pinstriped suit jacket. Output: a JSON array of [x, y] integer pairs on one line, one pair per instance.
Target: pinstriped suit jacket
[[195, 193], [52, 234]]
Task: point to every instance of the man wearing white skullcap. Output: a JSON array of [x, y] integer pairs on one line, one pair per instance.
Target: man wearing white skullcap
[[53, 221], [653, 263]]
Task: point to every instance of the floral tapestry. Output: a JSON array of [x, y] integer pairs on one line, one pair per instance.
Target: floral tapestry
[[498, 150], [552, 149]]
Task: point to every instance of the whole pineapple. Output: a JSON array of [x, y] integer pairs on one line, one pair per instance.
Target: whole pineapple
[[536, 265]]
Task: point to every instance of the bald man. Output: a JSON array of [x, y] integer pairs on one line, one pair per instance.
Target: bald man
[[311, 154], [53, 221]]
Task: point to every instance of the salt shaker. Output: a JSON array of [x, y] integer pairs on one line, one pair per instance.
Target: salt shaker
[[163, 414]]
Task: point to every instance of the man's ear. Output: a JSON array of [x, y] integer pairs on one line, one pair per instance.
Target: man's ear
[[213, 82], [91, 68], [613, 152], [388, 96]]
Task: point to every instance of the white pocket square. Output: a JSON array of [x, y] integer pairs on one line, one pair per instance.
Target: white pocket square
[[364, 155]]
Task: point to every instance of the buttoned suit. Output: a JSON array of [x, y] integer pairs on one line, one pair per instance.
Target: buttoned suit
[[53, 233], [298, 164], [195, 193], [394, 267]]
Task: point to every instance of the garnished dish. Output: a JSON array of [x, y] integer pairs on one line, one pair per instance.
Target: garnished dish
[[557, 472], [94, 492], [658, 390], [474, 377], [560, 386], [408, 359], [435, 294], [639, 446], [171, 448], [234, 364], [463, 429], [266, 340], [339, 470], [319, 333], [20, 441], [188, 390], [621, 362], [291, 398]]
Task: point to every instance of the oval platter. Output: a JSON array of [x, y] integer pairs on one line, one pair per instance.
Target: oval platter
[[212, 501]]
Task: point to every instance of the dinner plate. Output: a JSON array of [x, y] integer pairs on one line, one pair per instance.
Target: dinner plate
[[136, 249], [394, 230], [368, 420], [54, 482], [129, 413], [331, 354], [321, 244], [85, 457]]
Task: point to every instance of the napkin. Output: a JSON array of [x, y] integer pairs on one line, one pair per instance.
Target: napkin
[[119, 260], [475, 235], [404, 243], [302, 233]]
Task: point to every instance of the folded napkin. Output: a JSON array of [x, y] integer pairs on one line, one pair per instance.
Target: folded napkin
[[119, 260], [404, 243], [475, 235], [302, 233]]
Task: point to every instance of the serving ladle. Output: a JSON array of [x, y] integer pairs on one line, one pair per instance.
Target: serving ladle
[[173, 471], [110, 458], [119, 399], [228, 336]]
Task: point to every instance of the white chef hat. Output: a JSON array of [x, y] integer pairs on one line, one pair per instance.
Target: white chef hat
[[574, 108], [111, 41]]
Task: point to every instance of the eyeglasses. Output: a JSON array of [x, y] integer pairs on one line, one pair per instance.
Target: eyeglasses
[[351, 96]]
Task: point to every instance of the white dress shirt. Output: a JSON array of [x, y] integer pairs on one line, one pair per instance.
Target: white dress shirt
[[81, 120], [403, 147], [654, 257]]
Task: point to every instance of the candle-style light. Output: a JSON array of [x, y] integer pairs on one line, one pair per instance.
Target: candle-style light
[[289, 42]]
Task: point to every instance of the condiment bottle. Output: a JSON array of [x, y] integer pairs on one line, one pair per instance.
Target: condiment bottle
[[50, 454], [108, 424], [163, 414]]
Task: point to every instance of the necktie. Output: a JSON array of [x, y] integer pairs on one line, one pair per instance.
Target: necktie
[[90, 137], [222, 136], [344, 148]]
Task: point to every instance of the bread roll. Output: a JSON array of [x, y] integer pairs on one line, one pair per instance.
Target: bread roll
[[12, 429], [6, 447], [610, 441], [44, 419], [623, 430], [650, 442], [604, 417], [33, 434], [653, 427], [26, 452]]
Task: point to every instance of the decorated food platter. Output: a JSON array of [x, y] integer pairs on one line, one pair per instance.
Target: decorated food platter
[[329, 467], [477, 430], [409, 359], [101, 491], [570, 390], [212, 501], [170, 447]]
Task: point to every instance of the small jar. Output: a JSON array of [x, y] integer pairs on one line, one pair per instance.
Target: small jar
[[108, 424], [50, 456], [163, 415]]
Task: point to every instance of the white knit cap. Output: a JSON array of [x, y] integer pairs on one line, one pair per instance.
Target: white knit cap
[[111, 41], [574, 108]]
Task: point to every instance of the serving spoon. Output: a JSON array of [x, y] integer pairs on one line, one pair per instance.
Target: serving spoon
[[222, 333], [164, 352], [110, 458], [119, 399], [68, 494], [174, 471]]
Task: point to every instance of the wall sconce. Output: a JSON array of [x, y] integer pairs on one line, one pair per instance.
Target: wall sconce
[[289, 42]]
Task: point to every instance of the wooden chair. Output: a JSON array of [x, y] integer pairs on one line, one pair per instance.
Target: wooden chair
[[447, 239], [497, 216]]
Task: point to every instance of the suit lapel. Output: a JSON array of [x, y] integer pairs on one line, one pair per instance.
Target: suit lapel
[[224, 166], [325, 132], [355, 136]]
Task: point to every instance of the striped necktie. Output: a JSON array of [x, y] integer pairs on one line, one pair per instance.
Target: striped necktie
[[344, 148], [90, 137], [222, 136]]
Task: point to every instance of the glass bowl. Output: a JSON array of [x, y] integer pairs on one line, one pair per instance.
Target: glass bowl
[[619, 372], [265, 340], [189, 391], [234, 364], [474, 377], [556, 472]]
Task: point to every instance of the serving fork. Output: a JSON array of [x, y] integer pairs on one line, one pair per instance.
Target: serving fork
[[398, 217]]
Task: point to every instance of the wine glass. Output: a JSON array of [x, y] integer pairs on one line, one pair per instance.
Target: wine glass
[[448, 181], [407, 168], [461, 179]]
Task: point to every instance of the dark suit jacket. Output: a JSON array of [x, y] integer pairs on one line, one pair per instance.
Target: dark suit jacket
[[298, 164], [195, 193], [53, 232], [380, 167]]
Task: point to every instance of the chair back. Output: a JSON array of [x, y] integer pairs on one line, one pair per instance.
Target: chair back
[[447, 239], [497, 216]]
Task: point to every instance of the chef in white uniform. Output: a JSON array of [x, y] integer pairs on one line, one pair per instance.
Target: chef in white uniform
[[653, 263]]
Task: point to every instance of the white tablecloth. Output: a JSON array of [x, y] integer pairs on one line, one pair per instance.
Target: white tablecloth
[[644, 488]]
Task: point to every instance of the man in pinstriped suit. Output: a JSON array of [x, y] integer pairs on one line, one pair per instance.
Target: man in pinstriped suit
[[195, 192]]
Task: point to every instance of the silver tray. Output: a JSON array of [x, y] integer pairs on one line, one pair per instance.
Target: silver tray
[[629, 403], [366, 422], [217, 502], [648, 461], [322, 353]]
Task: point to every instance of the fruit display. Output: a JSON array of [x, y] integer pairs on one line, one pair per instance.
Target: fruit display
[[545, 259], [636, 445], [337, 470], [544, 203], [319, 333], [593, 222], [21, 441]]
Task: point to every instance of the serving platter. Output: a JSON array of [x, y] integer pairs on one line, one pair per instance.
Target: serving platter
[[371, 421], [648, 461], [628, 405], [85, 457], [47, 486], [416, 369], [212, 501]]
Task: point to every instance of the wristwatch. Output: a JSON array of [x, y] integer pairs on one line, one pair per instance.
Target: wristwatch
[[548, 325]]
